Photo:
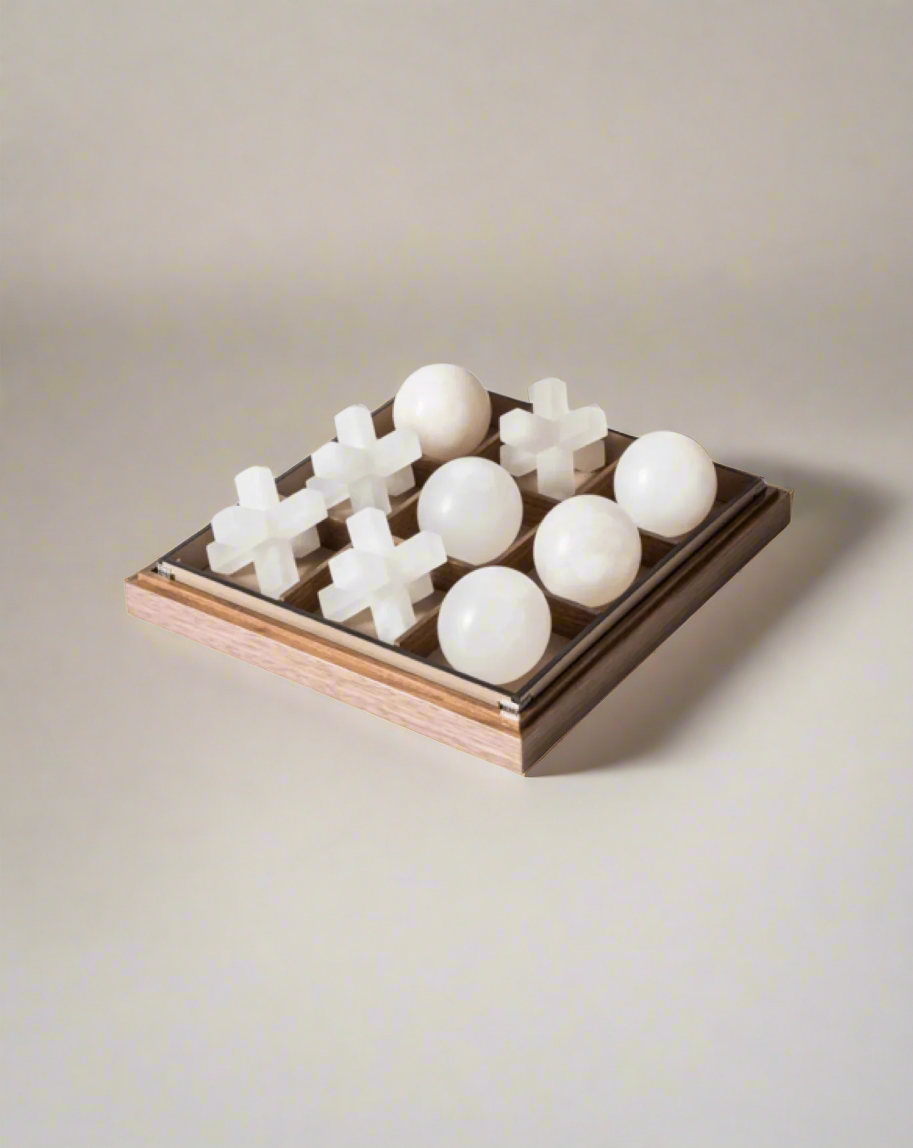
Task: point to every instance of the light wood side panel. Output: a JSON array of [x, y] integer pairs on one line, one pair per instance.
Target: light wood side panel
[[383, 690], [586, 682]]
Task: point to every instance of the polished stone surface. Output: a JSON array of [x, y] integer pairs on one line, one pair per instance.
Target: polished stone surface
[[494, 624], [447, 407], [475, 506], [587, 549], [666, 482]]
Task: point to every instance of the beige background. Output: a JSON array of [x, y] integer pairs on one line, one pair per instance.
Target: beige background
[[237, 913]]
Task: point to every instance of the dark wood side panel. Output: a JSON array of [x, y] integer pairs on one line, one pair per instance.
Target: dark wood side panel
[[572, 695]]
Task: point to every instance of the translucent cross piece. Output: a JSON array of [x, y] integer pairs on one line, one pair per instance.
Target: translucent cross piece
[[374, 574], [265, 531], [553, 440], [361, 467]]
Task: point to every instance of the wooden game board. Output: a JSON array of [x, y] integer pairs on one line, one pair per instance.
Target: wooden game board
[[409, 682]]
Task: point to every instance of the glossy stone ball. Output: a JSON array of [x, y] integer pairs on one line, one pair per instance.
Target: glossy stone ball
[[666, 482], [447, 407], [587, 549], [475, 506], [494, 624]]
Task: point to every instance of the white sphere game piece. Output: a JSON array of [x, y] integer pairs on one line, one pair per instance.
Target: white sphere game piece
[[552, 439], [377, 575], [494, 624], [666, 482], [475, 506], [587, 549], [361, 467], [266, 531], [447, 407]]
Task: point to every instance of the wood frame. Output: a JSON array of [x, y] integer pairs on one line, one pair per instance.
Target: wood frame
[[515, 729]]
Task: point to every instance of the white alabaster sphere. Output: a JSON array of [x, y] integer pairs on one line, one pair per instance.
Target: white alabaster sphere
[[587, 549], [447, 407], [666, 482], [494, 624], [475, 506]]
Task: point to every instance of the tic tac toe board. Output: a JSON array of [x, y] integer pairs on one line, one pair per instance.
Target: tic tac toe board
[[408, 681]]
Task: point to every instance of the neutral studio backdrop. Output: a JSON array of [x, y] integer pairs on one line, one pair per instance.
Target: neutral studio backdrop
[[237, 913]]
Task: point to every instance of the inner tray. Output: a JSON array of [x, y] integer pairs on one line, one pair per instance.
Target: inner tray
[[574, 628]]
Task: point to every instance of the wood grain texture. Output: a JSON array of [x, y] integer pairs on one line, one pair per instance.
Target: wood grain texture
[[383, 690], [585, 683]]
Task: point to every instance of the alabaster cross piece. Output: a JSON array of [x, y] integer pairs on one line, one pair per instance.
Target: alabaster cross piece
[[377, 575], [265, 531], [552, 439], [361, 467]]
